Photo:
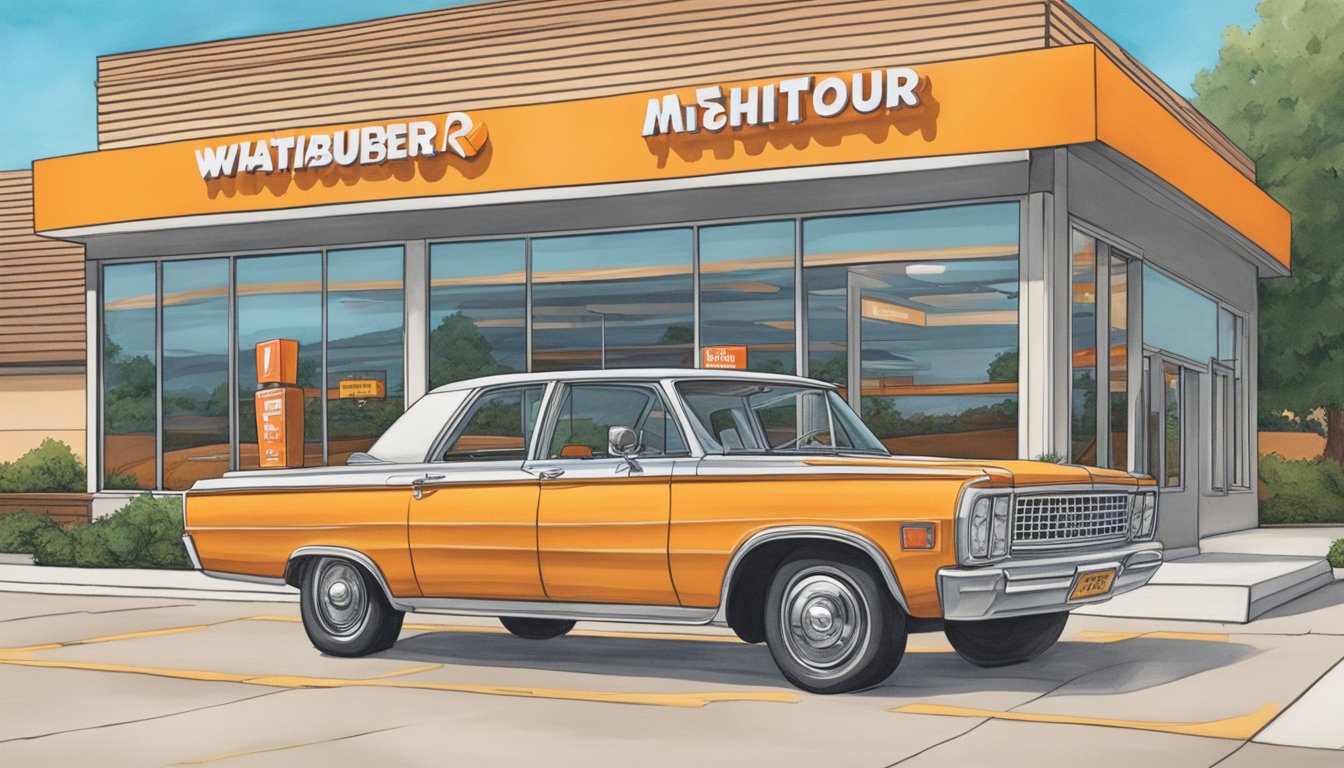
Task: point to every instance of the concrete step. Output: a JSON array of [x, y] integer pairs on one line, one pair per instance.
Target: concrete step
[[1224, 587]]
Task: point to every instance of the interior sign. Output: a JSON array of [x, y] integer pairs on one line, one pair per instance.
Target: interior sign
[[370, 145], [713, 110]]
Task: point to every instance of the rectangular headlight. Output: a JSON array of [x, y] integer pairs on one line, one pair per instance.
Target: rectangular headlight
[[998, 530], [979, 539]]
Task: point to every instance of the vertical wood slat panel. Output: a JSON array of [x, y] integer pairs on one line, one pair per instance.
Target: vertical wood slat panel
[[41, 285]]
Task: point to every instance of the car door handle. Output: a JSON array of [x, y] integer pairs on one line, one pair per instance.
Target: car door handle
[[551, 474], [418, 484]]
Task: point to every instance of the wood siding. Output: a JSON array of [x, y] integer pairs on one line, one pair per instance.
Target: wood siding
[[533, 51], [41, 285]]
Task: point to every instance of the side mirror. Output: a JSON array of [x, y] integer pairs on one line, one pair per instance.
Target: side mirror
[[623, 442]]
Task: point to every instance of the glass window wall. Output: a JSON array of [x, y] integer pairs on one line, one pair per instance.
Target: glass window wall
[[195, 371], [365, 347], [130, 376], [1083, 325], [918, 311], [280, 297], [477, 309], [747, 292], [613, 300]]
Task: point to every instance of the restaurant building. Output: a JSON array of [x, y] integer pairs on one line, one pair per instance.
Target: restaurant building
[[996, 230]]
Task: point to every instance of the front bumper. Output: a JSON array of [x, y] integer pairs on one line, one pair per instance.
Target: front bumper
[[1041, 585], [190, 546]]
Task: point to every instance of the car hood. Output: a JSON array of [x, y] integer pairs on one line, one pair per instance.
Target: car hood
[[1006, 472]]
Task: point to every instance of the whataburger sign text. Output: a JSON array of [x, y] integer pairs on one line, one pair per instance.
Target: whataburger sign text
[[369, 145], [714, 109]]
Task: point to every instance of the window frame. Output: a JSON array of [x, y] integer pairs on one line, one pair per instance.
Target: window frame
[[450, 430], [550, 419]]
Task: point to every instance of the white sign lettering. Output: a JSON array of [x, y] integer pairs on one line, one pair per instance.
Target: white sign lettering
[[370, 145], [754, 105]]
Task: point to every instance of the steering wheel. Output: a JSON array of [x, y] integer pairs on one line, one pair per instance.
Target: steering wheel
[[799, 440]]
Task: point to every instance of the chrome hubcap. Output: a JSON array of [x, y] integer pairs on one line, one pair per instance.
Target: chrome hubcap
[[341, 601], [825, 621]]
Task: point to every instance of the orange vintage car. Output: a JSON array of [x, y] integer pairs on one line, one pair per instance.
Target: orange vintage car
[[755, 501]]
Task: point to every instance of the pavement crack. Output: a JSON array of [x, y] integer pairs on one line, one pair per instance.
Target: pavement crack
[[1224, 758], [283, 747], [145, 719]]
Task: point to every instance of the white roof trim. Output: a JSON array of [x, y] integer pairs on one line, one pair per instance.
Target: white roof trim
[[440, 202]]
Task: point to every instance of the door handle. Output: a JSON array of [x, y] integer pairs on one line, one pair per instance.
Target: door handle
[[418, 484], [551, 474]]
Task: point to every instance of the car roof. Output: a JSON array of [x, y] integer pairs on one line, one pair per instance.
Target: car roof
[[626, 374]]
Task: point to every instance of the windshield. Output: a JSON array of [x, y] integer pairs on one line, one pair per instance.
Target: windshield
[[733, 417]]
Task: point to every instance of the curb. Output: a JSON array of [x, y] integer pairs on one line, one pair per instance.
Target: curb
[[136, 582]]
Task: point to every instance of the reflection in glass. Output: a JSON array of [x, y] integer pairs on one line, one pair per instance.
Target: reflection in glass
[[934, 297], [1119, 355], [1083, 325], [195, 371], [1177, 318], [1171, 391], [616, 300], [280, 297], [365, 343], [747, 291], [499, 426], [477, 309], [589, 411], [129, 376]]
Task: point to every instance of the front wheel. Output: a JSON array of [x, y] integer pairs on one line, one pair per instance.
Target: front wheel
[[344, 610], [831, 626], [536, 629], [999, 642]]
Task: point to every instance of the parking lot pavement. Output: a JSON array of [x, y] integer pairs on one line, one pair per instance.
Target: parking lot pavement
[[131, 681]]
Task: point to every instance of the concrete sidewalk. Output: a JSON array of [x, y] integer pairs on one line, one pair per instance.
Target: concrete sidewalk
[[1236, 578], [135, 582]]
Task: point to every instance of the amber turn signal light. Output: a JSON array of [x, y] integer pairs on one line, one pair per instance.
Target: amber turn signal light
[[917, 536]]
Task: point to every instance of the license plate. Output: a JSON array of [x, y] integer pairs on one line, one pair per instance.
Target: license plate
[[1093, 584]]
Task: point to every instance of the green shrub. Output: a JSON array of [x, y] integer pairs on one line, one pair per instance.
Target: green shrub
[[19, 531], [49, 468], [146, 533], [1301, 491], [1336, 554]]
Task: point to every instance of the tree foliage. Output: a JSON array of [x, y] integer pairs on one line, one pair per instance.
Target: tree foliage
[[1276, 93]]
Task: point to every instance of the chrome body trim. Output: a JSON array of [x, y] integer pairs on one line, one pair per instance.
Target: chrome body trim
[[873, 551], [618, 612], [190, 546], [247, 577], [1041, 585], [359, 557]]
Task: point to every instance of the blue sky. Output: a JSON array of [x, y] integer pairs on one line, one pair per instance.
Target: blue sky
[[48, 47]]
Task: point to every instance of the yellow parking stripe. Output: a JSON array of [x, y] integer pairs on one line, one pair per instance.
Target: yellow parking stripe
[[1091, 636], [1242, 727], [690, 700]]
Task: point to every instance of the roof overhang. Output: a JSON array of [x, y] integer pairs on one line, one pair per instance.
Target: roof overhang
[[595, 147]]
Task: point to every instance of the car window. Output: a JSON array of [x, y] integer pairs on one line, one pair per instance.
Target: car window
[[587, 411], [755, 417], [498, 427]]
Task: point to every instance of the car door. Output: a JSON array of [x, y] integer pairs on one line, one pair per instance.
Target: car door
[[602, 524], [473, 518]]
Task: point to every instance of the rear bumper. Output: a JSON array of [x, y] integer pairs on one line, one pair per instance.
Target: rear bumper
[[1030, 586]]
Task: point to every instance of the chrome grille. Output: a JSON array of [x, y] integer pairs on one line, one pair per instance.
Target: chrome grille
[[1047, 521]]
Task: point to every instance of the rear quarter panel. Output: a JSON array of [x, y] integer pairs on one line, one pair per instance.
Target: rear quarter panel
[[254, 532]]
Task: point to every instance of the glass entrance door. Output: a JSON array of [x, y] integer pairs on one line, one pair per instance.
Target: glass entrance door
[[1172, 438]]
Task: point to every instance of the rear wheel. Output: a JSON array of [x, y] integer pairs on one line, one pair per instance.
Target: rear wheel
[[999, 642], [832, 627], [344, 610], [536, 629]]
